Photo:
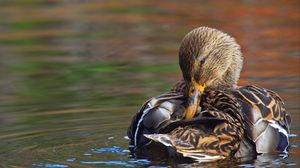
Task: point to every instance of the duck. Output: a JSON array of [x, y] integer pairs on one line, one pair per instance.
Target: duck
[[206, 116]]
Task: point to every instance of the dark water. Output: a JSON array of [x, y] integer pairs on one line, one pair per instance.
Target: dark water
[[72, 73]]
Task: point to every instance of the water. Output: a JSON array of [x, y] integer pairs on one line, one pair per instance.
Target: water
[[74, 72]]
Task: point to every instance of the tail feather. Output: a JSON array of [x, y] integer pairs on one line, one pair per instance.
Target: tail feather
[[166, 140], [161, 138], [200, 157]]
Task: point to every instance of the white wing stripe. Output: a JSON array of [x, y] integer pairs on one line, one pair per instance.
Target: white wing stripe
[[280, 129], [150, 106]]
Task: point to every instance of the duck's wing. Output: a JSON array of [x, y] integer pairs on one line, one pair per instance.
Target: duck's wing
[[155, 114], [266, 119], [216, 135]]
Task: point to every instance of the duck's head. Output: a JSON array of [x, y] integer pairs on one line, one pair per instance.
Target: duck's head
[[208, 58]]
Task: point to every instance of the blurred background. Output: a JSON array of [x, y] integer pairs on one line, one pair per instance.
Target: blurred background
[[72, 73]]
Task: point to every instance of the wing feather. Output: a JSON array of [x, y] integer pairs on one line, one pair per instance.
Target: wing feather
[[155, 114], [207, 141], [266, 118]]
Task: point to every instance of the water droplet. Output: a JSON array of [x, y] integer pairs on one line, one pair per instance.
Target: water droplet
[[87, 154], [292, 135], [71, 159]]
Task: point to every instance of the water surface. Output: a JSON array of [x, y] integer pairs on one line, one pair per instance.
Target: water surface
[[74, 72]]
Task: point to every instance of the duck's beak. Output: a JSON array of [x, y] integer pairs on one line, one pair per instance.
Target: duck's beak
[[193, 102]]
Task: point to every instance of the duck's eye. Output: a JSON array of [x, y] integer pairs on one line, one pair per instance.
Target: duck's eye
[[202, 61]]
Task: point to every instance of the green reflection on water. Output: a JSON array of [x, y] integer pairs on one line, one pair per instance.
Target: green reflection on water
[[46, 81], [33, 24], [20, 42]]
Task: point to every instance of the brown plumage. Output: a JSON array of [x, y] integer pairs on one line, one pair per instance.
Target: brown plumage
[[207, 116], [219, 137]]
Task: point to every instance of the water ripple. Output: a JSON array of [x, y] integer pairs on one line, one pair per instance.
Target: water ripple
[[130, 163], [115, 163], [49, 165], [114, 149]]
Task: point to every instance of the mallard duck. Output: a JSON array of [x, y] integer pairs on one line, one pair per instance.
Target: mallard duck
[[206, 115]]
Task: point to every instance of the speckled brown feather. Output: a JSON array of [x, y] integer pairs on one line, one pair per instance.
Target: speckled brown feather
[[213, 138], [230, 129]]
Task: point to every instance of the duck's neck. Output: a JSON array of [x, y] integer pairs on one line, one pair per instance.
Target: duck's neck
[[228, 80], [224, 84]]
